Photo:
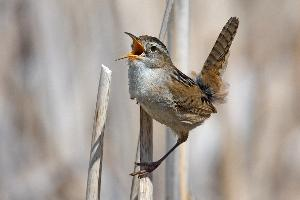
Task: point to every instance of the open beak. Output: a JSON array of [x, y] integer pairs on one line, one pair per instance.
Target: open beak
[[137, 48]]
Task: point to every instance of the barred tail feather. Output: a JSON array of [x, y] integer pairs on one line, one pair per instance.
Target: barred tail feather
[[210, 78]]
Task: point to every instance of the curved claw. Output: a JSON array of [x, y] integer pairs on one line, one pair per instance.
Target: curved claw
[[141, 174], [148, 168]]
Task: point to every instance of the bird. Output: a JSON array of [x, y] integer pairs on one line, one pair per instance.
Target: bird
[[171, 97]]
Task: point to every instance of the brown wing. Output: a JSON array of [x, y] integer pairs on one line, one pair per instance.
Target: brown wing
[[214, 66], [189, 100]]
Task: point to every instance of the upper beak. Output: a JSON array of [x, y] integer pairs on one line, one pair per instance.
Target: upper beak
[[137, 48]]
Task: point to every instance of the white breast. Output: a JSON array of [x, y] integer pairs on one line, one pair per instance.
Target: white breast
[[146, 83]]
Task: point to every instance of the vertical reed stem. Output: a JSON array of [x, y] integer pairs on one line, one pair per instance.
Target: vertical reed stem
[[96, 153], [178, 43]]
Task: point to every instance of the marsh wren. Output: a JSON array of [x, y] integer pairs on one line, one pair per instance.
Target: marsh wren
[[171, 97]]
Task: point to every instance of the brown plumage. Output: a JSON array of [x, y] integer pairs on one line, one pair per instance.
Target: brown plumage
[[190, 107], [168, 95]]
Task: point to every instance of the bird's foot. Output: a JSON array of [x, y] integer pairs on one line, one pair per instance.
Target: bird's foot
[[148, 167]]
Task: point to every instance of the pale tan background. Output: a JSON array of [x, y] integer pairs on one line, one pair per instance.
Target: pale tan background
[[50, 53]]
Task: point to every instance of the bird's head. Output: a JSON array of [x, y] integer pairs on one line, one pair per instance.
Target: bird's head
[[149, 51]]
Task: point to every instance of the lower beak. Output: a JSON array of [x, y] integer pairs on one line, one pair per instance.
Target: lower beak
[[130, 56]]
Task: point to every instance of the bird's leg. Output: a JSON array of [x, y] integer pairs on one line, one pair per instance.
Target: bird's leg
[[151, 166]]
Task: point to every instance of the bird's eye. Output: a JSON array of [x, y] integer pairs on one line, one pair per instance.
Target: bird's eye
[[153, 48]]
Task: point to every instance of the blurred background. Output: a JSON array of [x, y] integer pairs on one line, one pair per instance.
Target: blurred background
[[50, 55]]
